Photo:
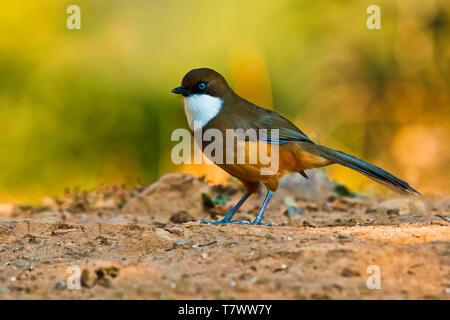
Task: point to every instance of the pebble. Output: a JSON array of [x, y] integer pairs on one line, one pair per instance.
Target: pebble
[[281, 268], [308, 223], [181, 242], [292, 209], [344, 238], [86, 279], [181, 217], [348, 273], [60, 285], [19, 264]]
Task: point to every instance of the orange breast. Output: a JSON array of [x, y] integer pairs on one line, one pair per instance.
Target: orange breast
[[266, 163]]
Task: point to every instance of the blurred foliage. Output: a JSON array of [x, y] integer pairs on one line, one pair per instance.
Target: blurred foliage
[[92, 106]]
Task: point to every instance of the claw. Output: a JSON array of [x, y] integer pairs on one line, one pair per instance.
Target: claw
[[258, 219], [223, 221]]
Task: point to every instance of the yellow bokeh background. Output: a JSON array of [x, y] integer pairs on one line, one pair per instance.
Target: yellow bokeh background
[[92, 106]]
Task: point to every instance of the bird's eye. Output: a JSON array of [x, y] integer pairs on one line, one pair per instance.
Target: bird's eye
[[202, 86]]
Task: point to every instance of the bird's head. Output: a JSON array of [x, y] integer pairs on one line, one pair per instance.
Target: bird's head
[[203, 81]]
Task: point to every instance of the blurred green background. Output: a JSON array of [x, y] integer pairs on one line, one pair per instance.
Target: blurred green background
[[93, 106]]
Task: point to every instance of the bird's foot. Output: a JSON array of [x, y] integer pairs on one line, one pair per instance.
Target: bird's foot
[[226, 221], [223, 221]]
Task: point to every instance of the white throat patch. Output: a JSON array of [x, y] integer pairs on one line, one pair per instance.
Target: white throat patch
[[201, 108]]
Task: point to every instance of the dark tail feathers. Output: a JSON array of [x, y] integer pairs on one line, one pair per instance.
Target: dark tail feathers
[[373, 172]]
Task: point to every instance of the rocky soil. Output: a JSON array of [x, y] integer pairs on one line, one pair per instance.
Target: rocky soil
[[145, 243]]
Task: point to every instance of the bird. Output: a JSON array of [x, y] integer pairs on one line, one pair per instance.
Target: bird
[[210, 103]]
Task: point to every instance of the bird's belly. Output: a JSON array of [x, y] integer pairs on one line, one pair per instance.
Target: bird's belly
[[264, 162]]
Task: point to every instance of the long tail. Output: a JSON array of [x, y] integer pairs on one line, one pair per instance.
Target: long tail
[[371, 171]]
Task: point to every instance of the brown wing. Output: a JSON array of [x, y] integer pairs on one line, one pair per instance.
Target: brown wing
[[245, 115]]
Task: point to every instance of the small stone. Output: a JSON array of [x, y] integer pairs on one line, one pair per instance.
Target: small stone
[[102, 241], [233, 283], [348, 273], [308, 223], [19, 264], [181, 217], [175, 230], [181, 242], [269, 236], [208, 203], [281, 268], [344, 238], [86, 280], [159, 224], [104, 275], [394, 212], [60, 285], [29, 238], [291, 212], [113, 272]]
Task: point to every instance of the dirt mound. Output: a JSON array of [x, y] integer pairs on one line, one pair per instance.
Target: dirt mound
[[143, 242]]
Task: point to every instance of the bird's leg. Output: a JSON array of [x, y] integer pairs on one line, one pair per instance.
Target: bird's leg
[[261, 212], [258, 219], [230, 214]]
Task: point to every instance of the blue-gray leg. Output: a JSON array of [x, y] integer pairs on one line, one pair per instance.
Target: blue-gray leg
[[236, 207], [230, 214], [263, 208]]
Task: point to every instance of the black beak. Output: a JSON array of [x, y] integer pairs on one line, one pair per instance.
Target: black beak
[[182, 90]]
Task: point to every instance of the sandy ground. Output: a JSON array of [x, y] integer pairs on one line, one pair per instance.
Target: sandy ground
[[144, 243]]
